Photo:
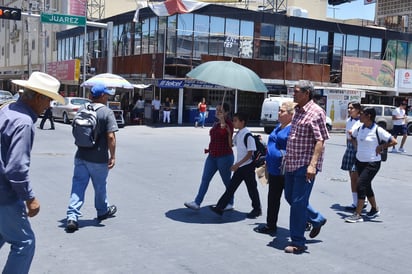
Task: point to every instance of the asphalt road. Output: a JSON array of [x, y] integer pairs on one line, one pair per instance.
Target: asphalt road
[[158, 169]]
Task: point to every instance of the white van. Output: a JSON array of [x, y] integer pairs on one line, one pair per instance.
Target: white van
[[270, 109]]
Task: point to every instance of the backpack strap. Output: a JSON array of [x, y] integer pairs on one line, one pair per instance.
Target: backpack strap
[[246, 136], [377, 135]]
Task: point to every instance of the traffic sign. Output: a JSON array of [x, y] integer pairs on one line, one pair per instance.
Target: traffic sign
[[63, 19]]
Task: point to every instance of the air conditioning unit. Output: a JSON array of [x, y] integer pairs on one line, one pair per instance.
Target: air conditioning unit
[[296, 11]]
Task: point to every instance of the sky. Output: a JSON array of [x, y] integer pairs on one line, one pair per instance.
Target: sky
[[352, 10]]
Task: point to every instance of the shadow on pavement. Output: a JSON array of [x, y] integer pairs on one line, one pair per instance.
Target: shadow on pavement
[[204, 216]]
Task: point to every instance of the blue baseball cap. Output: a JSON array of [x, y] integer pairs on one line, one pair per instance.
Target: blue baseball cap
[[100, 89]]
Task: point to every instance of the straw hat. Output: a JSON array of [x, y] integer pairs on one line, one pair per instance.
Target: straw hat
[[44, 84]]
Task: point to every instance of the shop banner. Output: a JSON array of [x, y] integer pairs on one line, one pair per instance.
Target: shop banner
[[368, 72], [65, 70], [336, 102], [405, 78], [77, 7]]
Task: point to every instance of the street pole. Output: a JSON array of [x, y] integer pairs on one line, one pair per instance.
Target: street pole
[[28, 42], [85, 49]]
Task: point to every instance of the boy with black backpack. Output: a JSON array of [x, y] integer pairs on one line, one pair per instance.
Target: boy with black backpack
[[244, 169]]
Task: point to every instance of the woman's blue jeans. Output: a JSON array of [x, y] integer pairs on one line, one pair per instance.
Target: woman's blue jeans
[[212, 165]]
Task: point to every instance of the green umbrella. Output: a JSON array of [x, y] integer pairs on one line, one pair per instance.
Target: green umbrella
[[228, 74]]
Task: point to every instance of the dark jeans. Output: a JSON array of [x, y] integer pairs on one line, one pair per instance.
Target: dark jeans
[[245, 173], [366, 171], [276, 185], [47, 115], [155, 116]]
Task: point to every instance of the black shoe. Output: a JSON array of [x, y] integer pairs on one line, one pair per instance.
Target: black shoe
[[111, 210], [254, 213], [265, 230], [216, 210], [71, 226], [316, 230]]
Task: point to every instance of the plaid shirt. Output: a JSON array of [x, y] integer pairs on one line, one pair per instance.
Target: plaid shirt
[[219, 139], [308, 127]]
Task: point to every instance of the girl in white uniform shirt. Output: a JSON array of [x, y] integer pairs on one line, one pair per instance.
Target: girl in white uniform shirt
[[368, 160], [348, 160]]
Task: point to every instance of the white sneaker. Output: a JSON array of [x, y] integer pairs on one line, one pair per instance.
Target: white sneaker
[[402, 150], [192, 205], [228, 207], [394, 150], [196, 124]]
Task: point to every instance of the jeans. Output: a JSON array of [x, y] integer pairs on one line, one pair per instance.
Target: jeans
[[244, 173], [83, 171], [213, 164], [297, 194], [15, 229], [202, 118]]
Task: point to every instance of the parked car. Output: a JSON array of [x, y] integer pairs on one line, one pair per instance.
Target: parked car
[[384, 117], [67, 110], [5, 96], [270, 109]]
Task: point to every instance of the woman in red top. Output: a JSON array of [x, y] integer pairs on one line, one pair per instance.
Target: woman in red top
[[220, 156], [202, 113]]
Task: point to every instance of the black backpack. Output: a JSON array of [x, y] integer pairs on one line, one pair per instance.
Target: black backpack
[[85, 126], [259, 155]]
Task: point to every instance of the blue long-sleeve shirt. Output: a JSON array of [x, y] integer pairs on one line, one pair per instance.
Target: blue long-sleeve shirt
[[16, 141], [276, 142]]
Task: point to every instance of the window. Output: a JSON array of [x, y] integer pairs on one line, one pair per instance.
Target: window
[[281, 40], [231, 43], [267, 41], [184, 35], [246, 39], [217, 30], [376, 48], [364, 47], [352, 45], [200, 35], [295, 45]]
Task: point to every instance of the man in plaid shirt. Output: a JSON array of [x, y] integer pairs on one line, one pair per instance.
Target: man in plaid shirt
[[304, 157]]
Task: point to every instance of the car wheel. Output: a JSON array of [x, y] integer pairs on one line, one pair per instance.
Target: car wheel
[[66, 119], [409, 129]]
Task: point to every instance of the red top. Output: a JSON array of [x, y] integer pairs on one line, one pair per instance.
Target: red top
[[202, 107], [219, 139]]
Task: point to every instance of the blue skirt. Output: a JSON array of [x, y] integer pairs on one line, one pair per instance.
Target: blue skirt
[[348, 160]]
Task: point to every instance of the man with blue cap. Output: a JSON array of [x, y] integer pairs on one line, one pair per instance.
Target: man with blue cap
[[94, 163]]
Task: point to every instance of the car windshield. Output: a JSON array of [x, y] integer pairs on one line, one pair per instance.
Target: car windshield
[[79, 101], [5, 95]]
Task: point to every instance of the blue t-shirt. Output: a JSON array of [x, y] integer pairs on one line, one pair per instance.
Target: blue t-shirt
[[276, 142]]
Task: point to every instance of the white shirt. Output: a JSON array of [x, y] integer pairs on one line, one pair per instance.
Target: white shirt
[[156, 104], [399, 113], [241, 149], [351, 123], [367, 142]]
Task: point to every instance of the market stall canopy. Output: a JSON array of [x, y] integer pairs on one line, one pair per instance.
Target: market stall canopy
[[141, 86]]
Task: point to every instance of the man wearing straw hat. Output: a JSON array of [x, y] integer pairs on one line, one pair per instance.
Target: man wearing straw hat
[[17, 199]]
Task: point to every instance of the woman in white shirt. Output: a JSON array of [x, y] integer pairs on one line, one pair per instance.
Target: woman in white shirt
[[368, 160], [348, 160]]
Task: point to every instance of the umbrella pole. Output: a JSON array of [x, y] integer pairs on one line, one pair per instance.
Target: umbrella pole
[[224, 95], [235, 100]]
